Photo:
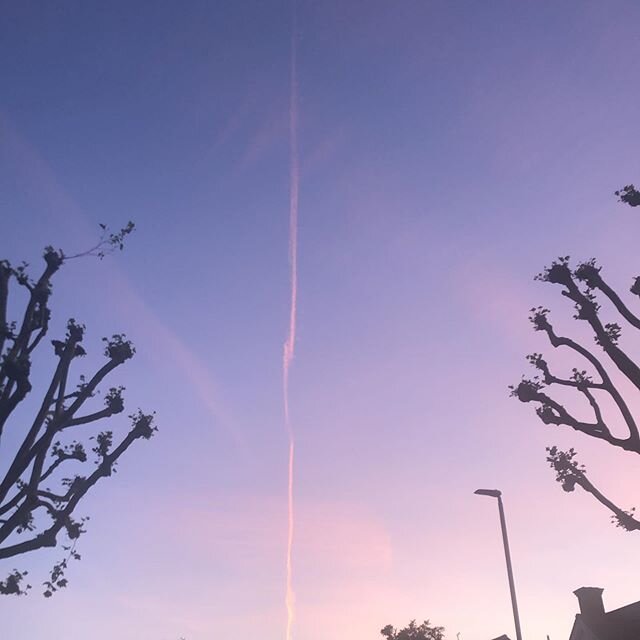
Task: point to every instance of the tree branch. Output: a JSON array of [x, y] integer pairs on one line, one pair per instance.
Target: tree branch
[[92, 417], [570, 473], [5, 276], [541, 323], [588, 310], [589, 273], [24, 454], [39, 455], [142, 428], [37, 299]]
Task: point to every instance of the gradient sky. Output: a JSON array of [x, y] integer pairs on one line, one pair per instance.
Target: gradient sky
[[449, 150]]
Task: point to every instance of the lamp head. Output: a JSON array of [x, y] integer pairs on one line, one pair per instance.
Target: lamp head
[[493, 493]]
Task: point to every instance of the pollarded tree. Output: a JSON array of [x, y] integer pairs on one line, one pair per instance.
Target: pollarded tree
[[599, 383], [414, 631], [41, 479]]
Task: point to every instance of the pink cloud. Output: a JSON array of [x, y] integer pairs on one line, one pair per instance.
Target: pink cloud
[[340, 536], [343, 558]]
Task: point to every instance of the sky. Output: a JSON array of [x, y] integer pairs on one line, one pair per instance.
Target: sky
[[447, 152]]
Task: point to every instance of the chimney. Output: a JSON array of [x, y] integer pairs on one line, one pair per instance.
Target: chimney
[[591, 605]]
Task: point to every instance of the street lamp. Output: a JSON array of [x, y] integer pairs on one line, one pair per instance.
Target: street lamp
[[494, 493]]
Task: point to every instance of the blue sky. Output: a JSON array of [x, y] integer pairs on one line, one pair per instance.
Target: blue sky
[[447, 152]]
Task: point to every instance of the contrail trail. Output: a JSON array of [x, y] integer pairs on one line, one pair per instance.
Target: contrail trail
[[289, 345]]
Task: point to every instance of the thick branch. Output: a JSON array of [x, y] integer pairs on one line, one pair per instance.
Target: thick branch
[[38, 297], [14, 501], [92, 417], [142, 429], [542, 324], [624, 519], [25, 454], [624, 311], [77, 454], [552, 412], [87, 391], [570, 473], [594, 405], [29, 450], [10, 401], [587, 310], [5, 275]]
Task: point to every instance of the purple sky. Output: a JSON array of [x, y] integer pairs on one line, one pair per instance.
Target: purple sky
[[449, 150]]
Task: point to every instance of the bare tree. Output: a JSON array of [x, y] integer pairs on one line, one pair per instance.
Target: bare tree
[[39, 490], [599, 383]]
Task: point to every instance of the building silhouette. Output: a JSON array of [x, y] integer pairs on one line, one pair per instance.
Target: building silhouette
[[594, 623]]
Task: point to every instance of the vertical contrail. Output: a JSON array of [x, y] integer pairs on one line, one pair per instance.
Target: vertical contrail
[[289, 345]]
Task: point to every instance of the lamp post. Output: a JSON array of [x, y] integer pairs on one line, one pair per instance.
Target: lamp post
[[494, 493]]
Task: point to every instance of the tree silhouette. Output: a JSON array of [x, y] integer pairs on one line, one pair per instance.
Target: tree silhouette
[[629, 194], [599, 383], [413, 631], [39, 491]]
